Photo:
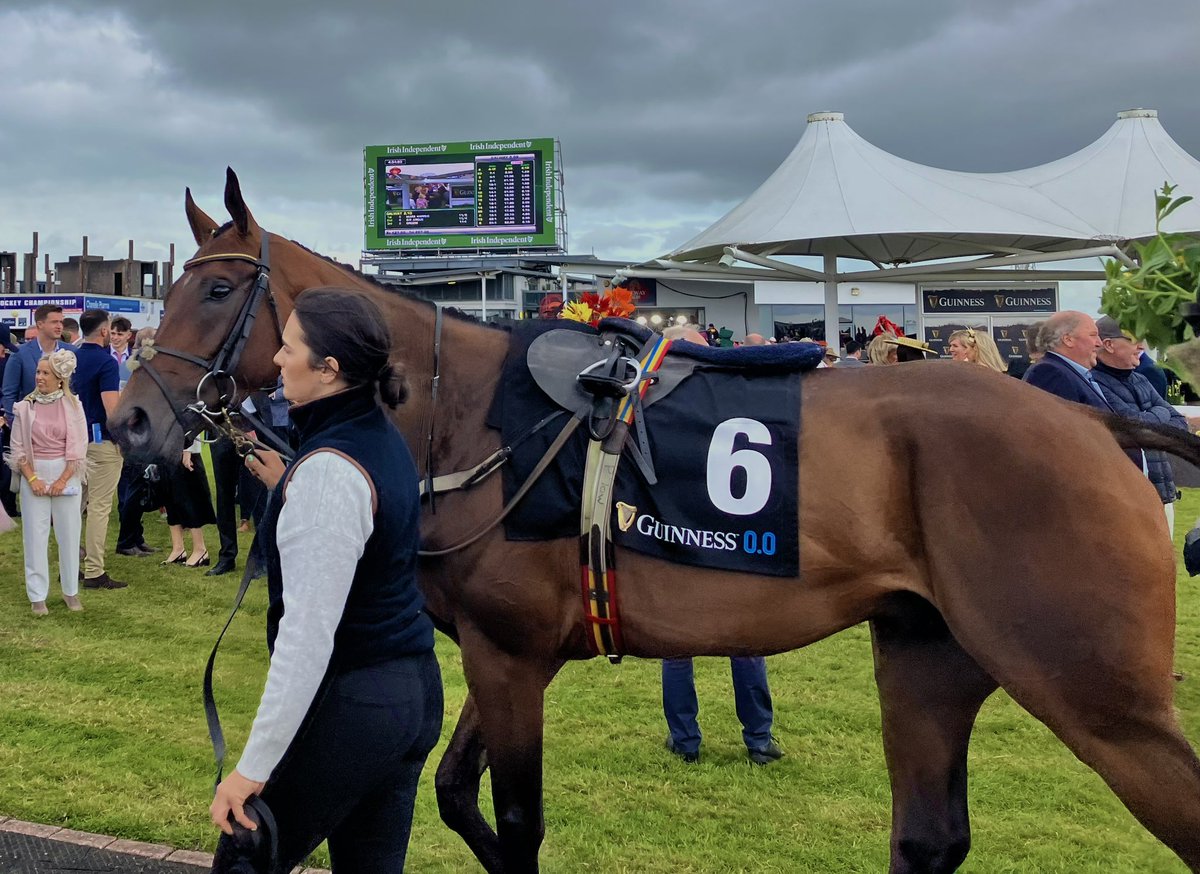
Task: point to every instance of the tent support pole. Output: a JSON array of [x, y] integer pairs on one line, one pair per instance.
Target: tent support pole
[[831, 303]]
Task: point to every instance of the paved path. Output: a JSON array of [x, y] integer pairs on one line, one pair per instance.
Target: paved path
[[30, 848]]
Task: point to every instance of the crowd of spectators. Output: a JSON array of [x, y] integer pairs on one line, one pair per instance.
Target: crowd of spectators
[[66, 474]]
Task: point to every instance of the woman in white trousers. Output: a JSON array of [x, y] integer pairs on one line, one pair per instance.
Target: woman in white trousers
[[49, 450]]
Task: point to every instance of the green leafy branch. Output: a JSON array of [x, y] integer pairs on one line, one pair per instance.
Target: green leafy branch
[[1152, 299]]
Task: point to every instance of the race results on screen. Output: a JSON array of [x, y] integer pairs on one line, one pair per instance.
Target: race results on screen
[[460, 193]]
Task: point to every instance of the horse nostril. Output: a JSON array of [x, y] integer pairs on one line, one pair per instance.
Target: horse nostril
[[135, 426]]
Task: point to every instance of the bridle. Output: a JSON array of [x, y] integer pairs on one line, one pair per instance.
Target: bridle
[[221, 367]]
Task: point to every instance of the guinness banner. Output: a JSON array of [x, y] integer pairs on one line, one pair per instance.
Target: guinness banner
[[938, 336], [1018, 299], [1010, 337], [1008, 332]]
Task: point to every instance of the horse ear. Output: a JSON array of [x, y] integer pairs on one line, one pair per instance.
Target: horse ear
[[238, 210], [203, 227]]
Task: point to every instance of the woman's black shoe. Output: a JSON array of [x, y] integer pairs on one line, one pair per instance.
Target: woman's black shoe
[[201, 562], [175, 559]]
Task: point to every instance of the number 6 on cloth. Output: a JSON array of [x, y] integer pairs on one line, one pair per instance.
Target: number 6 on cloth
[[723, 460]]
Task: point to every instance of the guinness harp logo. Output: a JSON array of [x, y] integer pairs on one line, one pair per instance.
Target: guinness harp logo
[[625, 515]]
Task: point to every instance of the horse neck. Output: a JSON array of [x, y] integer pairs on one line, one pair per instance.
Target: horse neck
[[470, 365]]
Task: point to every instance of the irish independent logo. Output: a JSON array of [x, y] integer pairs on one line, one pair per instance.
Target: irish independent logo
[[625, 515]]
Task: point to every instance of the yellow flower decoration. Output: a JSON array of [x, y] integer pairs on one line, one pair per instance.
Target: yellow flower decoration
[[577, 311]]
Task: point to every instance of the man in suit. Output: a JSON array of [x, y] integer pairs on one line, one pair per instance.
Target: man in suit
[[853, 356], [1072, 341]]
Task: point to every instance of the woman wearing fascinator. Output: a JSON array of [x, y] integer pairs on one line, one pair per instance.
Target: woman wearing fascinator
[[976, 347], [49, 450]]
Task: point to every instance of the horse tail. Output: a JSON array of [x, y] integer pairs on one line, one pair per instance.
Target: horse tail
[[1131, 434]]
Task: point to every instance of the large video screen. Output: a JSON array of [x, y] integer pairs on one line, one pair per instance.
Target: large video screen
[[486, 194]]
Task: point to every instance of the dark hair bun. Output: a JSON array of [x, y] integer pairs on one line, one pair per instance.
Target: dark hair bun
[[347, 325], [393, 386]]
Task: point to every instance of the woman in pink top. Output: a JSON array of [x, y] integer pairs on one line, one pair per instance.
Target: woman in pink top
[[49, 450]]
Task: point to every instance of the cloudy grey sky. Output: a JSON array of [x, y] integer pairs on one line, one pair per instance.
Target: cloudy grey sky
[[669, 112]]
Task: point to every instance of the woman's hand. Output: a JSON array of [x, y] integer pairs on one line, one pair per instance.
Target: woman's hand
[[266, 465], [39, 487], [56, 488], [231, 795], [187, 461]]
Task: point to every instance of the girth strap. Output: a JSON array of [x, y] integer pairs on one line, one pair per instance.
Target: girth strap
[[559, 442], [464, 479]]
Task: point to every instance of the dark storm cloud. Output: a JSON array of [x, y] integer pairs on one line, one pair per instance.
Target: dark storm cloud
[[668, 112]]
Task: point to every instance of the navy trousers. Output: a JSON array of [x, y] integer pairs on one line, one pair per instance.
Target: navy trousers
[[227, 466], [133, 491], [8, 498], [751, 699], [351, 774]]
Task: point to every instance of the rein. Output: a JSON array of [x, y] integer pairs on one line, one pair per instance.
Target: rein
[[222, 366]]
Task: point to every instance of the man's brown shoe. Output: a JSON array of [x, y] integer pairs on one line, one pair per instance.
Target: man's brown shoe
[[104, 581]]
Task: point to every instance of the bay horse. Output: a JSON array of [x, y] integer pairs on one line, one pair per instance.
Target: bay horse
[[992, 536]]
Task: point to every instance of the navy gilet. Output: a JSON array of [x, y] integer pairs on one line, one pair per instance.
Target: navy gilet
[[384, 617]]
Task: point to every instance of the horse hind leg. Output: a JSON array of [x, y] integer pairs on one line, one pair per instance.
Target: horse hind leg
[[1154, 771], [1119, 719], [457, 785], [930, 692], [1089, 652]]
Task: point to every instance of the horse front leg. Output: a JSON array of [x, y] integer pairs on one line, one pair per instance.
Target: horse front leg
[[508, 695], [930, 692], [457, 784]]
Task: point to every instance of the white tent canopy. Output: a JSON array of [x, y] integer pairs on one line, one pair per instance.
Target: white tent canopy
[[836, 194]]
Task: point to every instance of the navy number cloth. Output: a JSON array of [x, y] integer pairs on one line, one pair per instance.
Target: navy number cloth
[[724, 445]]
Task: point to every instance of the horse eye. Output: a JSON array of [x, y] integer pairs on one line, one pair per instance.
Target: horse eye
[[219, 292]]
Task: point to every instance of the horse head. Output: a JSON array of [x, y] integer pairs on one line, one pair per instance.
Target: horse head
[[219, 316]]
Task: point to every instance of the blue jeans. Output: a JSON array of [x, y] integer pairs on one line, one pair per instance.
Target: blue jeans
[[751, 699]]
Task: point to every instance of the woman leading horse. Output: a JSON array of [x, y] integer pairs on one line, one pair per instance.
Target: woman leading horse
[[1078, 631]]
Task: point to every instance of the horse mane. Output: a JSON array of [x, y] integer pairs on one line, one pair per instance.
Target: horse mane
[[450, 312]]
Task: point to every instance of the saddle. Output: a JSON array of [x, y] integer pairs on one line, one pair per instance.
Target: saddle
[[564, 362], [608, 379]]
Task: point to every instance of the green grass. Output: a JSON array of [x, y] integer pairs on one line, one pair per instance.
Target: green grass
[[102, 730]]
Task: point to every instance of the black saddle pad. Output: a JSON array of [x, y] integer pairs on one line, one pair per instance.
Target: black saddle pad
[[725, 446]]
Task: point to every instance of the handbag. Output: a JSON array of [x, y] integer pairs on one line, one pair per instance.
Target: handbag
[[1191, 551], [250, 851]]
